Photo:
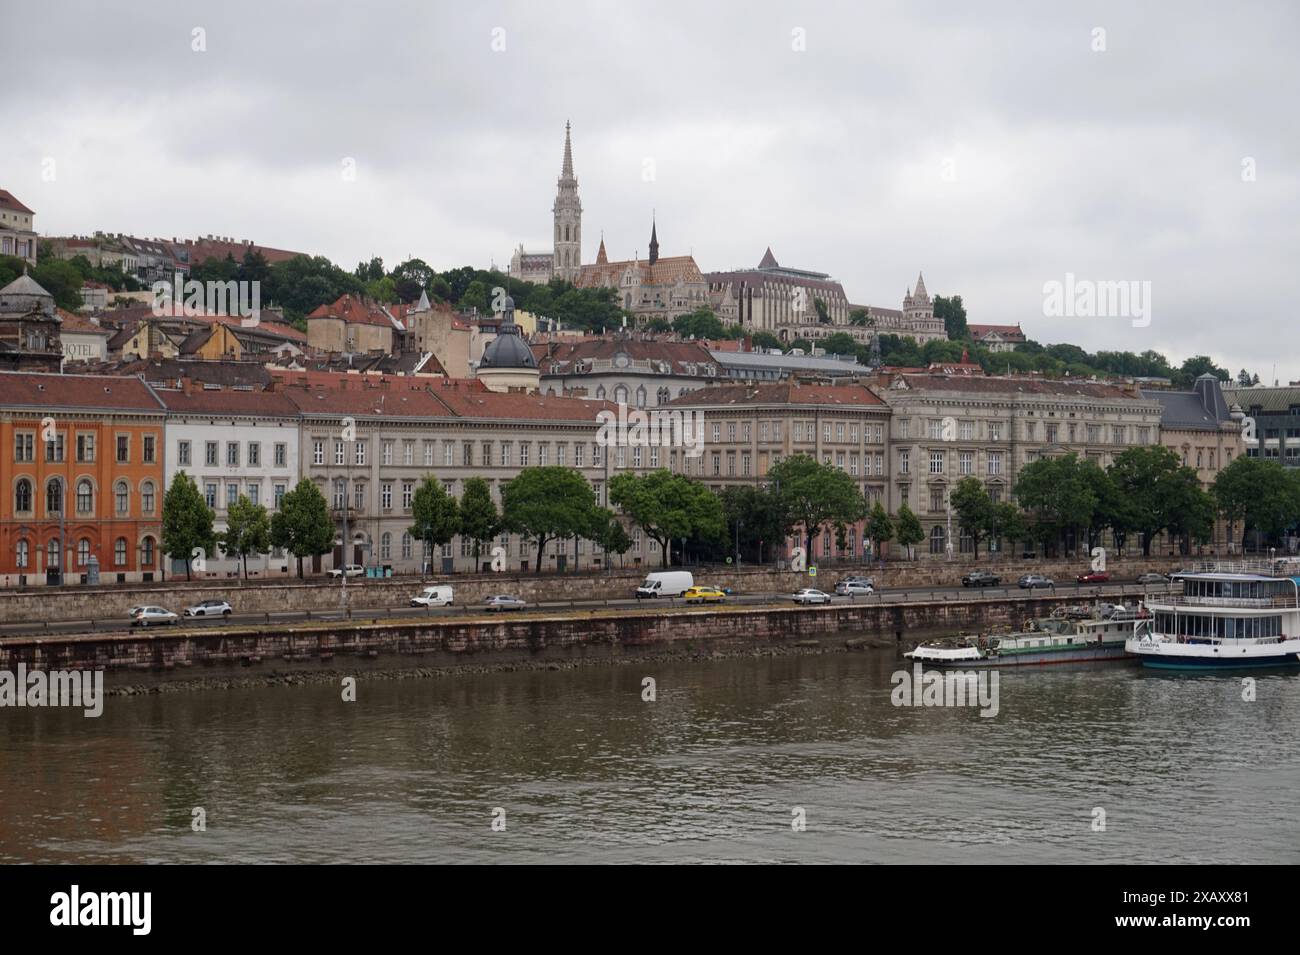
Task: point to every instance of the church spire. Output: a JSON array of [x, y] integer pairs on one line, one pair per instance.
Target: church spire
[[920, 292], [654, 241], [567, 213], [566, 171], [601, 257]]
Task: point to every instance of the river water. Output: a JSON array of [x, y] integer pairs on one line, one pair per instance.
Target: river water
[[713, 770]]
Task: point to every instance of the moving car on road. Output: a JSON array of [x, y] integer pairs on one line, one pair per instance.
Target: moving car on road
[[438, 595], [980, 578], [144, 616], [503, 602], [352, 570], [665, 583], [702, 594], [1152, 578], [1094, 577], [210, 608], [1030, 581], [810, 596], [855, 587]]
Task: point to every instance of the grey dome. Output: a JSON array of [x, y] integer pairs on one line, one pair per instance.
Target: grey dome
[[508, 350]]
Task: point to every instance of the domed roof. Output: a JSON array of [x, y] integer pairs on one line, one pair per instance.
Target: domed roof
[[508, 350]]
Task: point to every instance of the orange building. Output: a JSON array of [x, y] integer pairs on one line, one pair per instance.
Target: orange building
[[81, 460]]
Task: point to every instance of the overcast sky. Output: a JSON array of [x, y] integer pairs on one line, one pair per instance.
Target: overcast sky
[[990, 145]]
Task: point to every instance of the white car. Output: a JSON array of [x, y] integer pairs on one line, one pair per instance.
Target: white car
[[143, 616], [210, 608], [436, 596], [810, 596], [352, 570]]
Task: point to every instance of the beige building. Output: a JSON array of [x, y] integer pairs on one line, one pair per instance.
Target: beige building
[[949, 427], [17, 235], [353, 326], [83, 338], [640, 373]]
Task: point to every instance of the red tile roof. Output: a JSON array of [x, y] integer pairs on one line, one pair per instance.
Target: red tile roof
[[76, 392], [351, 309], [225, 401], [791, 393], [8, 201], [73, 322]]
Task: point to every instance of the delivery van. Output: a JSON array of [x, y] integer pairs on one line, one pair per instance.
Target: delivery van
[[665, 583]]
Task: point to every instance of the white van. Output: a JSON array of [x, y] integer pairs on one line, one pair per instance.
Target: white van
[[666, 583], [434, 596]]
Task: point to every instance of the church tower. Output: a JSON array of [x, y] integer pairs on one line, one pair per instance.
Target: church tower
[[568, 218], [654, 242]]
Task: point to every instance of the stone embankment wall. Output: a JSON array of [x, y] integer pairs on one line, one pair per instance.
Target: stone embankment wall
[[319, 593]]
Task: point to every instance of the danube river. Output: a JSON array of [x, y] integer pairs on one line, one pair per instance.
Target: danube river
[[581, 769]]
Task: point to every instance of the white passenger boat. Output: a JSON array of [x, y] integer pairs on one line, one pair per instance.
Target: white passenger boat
[[1230, 615]]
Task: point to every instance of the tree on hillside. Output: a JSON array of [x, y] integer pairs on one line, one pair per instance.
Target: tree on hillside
[[811, 494], [186, 522], [668, 506], [302, 526], [909, 530], [701, 323], [435, 515], [953, 314], [546, 503], [248, 531], [479, 518]]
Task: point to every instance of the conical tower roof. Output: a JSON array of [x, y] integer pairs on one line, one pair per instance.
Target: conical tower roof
[[566, 170], [769, 260], [920, 286], [601, 257]]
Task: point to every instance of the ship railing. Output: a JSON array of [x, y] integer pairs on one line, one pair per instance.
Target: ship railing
[[1279, 566], [1246, 603]]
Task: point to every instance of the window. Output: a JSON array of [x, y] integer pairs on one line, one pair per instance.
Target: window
[[232, 454], [86, 498], [86, 448], [123, 449], [359, 459], [579, 452], [24, 447], [254, 494], [938, 540], [543, 454], [317, 452], [146, 552], [83, 552], [967, 431], [146, 497], [408, 452], [904, 462], [52, 555], [408, 494], [386, 495], [278, 495], [210, 494], [183, 453], [966, 462], [523, 454], [936, 499], [150, 444], [428, 454], [340, 454], [359, 495], [22, 554], [406, 546], [386, 452], [448, 453], [119, 552], [486, 454], [23, 496], [936, 462], [467, 453], [386, 546], [995, 431], [54, 449], [232, 494], [1050, 430], [281, 455], [995, 462], [254, 454], [340, 494]]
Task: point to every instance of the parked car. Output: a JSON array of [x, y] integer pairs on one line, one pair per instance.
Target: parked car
[[702, 594], [352, 570], [1030, 581], [1152, 578], [503, 602], [855, 587], [1094, 577], [209, 608], [980, 578], [810, 596], [665, 583], [144, 616], [438, 595]]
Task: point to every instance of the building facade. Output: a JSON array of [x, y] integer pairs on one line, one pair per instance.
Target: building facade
[[640, 373], [657, 287], [17, 234]]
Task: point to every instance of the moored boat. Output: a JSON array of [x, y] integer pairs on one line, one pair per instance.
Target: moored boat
[[1234, 615], [1070, 635]]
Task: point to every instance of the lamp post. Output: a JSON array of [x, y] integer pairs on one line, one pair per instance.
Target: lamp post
[[739, 522]]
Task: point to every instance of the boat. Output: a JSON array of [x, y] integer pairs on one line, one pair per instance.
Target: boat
[[1230, 615], [1077, 634]]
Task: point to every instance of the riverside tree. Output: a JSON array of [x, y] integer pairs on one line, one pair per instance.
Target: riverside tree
[[1058, 493], [186, 521], [1261, 495], [909, 529], [608, 531], [436, 515], [974, 509], [479, 519], [668, 506], [248, 531], [880, 527], [811, 494], [546, 503], [302, 526], [1161, 493]]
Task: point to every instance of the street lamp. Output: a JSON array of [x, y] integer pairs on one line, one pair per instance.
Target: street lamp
[[739, 522]]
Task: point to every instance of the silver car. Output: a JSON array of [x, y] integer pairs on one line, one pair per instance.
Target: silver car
[[210, 608], [810, 596], [144, 616], [503, 602]]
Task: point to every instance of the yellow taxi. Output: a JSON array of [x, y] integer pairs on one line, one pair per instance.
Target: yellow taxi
[[704, 595]]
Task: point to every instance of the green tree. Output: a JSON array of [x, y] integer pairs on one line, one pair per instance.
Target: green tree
[[754, 513], [1058, 493], [1009, 523], [436, 516], [880, 527], [909, 532], [1259, 494], [1156, 486], [186, 521], [302, 526], [974, 508], [609, 533], [479, 519], [811, 494], [953, 314], [668, 506], [546, 503], [701, 323], [841, 343], [248, 531]]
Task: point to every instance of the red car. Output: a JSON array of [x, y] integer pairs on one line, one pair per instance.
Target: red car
[[1094, 577]]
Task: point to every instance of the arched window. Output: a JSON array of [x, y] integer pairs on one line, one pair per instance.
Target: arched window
[[640, 396], [23, 496], [54, 497], [23, 554], [146, 552], [85, 497], [340, 494], [406, 546], [620, 394], [662, 397], [600, 392], [83, 552], [146, 497], [122, 497], [52, 554], [937, 540], [386, 546], [119, 552]]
